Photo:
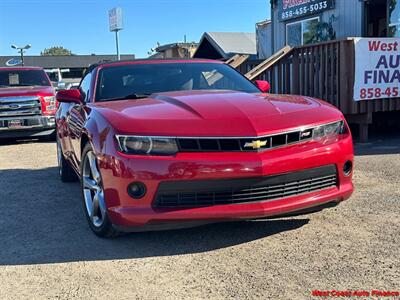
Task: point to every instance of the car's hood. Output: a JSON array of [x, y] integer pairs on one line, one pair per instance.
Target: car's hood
[[26, 91], [214, 113]]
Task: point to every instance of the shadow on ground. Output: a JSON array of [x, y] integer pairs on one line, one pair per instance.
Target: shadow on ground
[[42, 222], [379, 144], [19, 141]]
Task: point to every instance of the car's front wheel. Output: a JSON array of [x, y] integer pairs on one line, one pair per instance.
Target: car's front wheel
[[93, 195]]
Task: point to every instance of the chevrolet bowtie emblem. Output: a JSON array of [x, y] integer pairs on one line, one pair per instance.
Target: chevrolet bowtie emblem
[[256, 144]]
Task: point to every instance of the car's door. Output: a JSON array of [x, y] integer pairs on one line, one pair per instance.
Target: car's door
[[76, 119]]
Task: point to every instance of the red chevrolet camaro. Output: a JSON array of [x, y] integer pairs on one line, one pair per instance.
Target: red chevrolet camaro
[[165, 144]]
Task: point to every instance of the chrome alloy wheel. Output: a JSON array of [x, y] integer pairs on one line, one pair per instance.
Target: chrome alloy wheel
[[93, 192]]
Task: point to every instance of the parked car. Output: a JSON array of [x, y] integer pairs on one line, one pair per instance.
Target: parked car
[[71, 85], [160, 144], [56, 78], [27, 103]]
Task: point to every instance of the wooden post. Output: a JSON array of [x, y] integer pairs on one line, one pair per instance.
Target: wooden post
[[363, 121], [363, 132], [296, 72]]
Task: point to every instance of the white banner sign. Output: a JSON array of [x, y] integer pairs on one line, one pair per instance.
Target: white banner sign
[[377, 74], [115, 19]]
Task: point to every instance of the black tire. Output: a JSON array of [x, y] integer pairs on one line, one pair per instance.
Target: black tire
[[67, 174], [106, 229], [52, 137]]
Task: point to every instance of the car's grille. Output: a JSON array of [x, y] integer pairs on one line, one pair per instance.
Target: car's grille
[[243, 144], [19, 106], [199, 193]]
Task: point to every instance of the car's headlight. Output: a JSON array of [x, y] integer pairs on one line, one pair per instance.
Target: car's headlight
[[329, 133], [147, 145]]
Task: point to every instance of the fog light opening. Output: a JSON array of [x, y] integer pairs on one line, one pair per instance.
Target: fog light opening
[[136, 190], [347, 168]]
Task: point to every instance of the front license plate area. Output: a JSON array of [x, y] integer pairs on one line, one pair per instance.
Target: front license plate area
[[12, 124]]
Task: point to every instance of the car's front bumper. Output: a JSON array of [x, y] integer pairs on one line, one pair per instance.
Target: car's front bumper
[[120, 170], [31, 126]]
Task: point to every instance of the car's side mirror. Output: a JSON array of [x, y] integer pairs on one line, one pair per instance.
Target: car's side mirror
[[69, 96], [263, 85]]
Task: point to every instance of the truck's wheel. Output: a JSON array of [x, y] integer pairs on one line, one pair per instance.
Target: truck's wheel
[[48, 138], [52, 137], [67, 174], [93, 195]]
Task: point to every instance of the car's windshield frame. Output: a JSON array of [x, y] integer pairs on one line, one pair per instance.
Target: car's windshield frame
[[230, 74]]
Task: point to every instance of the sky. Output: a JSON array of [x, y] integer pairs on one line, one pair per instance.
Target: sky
[[82, 26]]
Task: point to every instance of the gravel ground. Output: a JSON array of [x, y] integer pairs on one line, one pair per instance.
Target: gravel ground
[[47, 250]]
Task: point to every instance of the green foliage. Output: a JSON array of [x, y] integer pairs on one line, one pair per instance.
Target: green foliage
[[321, 31], [56, 50]]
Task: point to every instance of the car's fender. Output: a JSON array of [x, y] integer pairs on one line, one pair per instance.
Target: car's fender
[[97, 132]]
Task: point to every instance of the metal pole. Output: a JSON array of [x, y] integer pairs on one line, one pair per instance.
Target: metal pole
[[22, 56], [117, 44]]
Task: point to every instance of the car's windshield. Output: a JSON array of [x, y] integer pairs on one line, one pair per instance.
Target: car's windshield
[[139, 80], [15, 78]]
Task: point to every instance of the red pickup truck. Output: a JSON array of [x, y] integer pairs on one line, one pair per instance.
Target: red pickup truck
[[27, 103]]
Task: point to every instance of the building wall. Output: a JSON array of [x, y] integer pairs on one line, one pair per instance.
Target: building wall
[[263, 39], [349, 23]]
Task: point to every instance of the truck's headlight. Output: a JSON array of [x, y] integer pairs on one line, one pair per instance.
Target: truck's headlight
[[329, 133], [147, 145], [50, 102]]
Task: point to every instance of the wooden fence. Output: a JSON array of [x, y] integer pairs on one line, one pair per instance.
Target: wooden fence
[[325, 71]]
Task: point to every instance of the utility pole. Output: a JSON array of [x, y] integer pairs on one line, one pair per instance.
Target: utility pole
[[115, 22], [117, 44]]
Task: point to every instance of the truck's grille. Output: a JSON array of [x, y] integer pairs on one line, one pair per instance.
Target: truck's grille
[[19, 106], [243, 144], [200, 193]]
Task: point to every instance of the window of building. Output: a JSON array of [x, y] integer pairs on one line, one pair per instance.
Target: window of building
[[394, 18], [302, 32]]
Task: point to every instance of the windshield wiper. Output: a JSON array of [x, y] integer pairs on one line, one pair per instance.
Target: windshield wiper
[[130, 96]]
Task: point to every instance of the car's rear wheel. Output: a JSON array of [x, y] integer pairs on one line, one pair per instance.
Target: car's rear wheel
[[93, 195], [67, 174]]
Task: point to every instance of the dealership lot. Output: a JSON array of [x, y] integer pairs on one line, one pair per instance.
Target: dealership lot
[[48, 251]]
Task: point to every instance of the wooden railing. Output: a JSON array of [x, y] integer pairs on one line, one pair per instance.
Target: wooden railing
[[236, 60], [268, 63], [326, 71]]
